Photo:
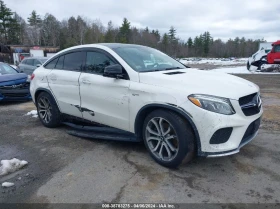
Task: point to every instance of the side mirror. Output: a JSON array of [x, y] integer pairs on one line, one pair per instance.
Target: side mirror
[[113, 71], [38, 65]]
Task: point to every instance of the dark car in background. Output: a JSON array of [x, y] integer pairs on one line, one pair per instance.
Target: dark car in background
[[14, 86], [29, 64]]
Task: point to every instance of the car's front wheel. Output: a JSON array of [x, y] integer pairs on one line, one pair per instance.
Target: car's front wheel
[[48, 111], [168, 138]]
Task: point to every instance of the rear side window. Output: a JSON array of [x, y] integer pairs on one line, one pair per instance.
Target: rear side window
[[30, 61], [51, 64], [37, 62], [74, 61], [60, 62], [96, 62]]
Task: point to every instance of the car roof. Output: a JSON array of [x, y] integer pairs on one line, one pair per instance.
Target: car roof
[[35, 58], [108, 45], [118, 45]]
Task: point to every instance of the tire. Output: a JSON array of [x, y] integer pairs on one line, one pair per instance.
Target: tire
[[180, 137], [248, 66], [48, 111], [261, 63]]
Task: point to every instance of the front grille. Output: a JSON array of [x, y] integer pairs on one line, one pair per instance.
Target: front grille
[[251, 104], [251, 130], [15, 95], [15, 87], [15, 91], [221, 136]]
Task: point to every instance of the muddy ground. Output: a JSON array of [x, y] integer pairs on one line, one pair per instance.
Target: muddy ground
[[67, 169]]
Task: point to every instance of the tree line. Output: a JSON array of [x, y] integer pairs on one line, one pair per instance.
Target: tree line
[[47, 30]]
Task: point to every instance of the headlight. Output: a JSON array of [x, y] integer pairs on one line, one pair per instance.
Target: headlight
[[212, 103], [28, 79]]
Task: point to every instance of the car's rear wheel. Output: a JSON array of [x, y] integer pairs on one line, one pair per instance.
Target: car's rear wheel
[[168, 138], [248, 66], [48, 111]]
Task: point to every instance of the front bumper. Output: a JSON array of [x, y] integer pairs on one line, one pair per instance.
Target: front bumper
[[249, 135], [15, 95], [243, 129]]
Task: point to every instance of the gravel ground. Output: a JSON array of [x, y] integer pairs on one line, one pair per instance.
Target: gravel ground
[[67, 169]]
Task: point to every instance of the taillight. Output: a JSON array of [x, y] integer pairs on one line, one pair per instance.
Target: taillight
[[32, 76]]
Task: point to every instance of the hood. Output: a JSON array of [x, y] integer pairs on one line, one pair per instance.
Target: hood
[[194, 81], [12, 79]]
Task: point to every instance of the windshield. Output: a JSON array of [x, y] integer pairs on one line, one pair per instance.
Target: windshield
[[145, 59], [6, 69], [43, 60]]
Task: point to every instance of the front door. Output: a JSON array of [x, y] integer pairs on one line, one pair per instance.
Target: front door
[[103, 100]]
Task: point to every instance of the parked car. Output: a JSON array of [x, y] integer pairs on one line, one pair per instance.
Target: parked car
[[273, 57], [14, 86], [176, 111], [29, 64], [259, 58]]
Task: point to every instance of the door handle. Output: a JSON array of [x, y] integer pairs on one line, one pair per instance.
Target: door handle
[[86, 82]]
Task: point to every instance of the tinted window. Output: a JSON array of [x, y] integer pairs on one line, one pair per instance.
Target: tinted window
[[96, 62], [23, 62], [30, 61], [51, 64], [43, 60], [74, 61], [59, 64], [37, 62]]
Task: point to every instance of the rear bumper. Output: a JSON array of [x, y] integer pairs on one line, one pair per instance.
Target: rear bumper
[[15, 95]]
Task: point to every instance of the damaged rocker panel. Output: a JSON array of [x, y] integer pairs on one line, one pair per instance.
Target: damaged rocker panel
[[82, 109]]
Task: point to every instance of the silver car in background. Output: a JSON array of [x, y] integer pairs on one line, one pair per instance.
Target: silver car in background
[[29, 64]]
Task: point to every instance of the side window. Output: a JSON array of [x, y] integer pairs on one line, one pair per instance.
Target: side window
[[96, 62], [59, 64], [30, 62], [23, 62], [277, 48], [37, 62], [51, 64], [74, 61]]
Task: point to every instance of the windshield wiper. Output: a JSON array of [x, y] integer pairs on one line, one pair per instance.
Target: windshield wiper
[[163, 69], [173, 68]]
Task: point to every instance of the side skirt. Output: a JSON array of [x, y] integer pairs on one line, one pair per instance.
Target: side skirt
[[99, 132]]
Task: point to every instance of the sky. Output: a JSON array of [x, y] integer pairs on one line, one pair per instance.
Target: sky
[[224, 19]]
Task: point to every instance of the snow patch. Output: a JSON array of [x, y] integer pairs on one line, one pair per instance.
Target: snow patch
[[7, 184], [233, 70], [33, 113], [10, 166], [214, 61], [240, 70]]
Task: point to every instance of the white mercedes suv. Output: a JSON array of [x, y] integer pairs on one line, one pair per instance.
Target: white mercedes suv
[[175, 110]]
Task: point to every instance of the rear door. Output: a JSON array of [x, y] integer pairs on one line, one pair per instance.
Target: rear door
[[64, 82]]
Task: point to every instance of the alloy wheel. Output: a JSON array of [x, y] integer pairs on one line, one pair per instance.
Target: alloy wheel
[[162, 139], [44, 109]]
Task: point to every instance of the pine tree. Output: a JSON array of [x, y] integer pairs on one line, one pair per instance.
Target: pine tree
[[34, 19], [8, 25], [165, 42], [190, 42], [109, 36], [172, 34], [124, 33]]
